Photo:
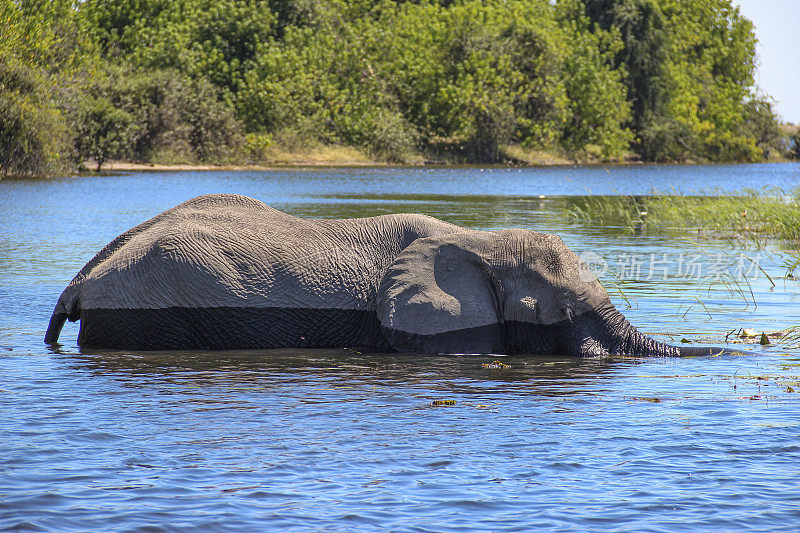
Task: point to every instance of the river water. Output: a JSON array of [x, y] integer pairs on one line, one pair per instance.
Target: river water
[[337, 440]]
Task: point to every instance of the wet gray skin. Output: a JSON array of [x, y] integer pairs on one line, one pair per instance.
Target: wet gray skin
[[229, 272]]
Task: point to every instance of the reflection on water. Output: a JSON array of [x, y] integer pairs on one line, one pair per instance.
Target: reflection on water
[[528, 374], [471, 211], [345, 440]]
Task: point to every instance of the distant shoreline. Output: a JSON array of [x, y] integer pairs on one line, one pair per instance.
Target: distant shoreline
[[321, 156], [124, 166], [348, 156], [90, 168], [128, 166]]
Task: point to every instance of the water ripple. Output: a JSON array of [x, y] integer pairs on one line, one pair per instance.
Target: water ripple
[[332, 440]]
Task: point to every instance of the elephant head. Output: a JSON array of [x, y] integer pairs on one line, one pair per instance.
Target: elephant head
[[504, 292]]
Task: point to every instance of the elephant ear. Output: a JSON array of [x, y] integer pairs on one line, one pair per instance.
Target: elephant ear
[[440, 296]]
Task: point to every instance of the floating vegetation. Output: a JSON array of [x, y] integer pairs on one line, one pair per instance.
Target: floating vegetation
[[788, 338], [443, 402], [496, 365], [646, 399], [765, 213]]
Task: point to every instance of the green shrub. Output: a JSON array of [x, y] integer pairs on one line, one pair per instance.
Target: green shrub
[[390, 137], [103, 131], [33, 136], [598, 109], [214, 133], [39, 45], [216, 40], [169, 114], [794, 146], [255, 146]]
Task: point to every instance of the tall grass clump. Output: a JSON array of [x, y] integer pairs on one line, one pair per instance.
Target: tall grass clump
[[768, 213]]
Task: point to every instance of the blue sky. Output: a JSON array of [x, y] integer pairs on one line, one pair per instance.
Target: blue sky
[[777, 25]]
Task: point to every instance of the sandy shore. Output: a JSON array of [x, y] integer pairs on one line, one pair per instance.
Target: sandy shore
[[125, 166], [330, 156]]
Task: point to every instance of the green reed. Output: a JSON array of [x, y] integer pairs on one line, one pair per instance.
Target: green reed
[[766, 213], [748, 217]]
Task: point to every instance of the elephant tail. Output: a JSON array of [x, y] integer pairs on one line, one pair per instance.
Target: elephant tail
[[67, 308], [54, 329]]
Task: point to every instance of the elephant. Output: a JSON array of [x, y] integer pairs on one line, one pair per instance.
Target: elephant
[[224, 271]]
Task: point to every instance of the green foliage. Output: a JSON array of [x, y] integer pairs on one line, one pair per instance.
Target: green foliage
[[598, 106], [213, 39], [32, 132], [761, 123], [473, 75], [170, 113], [212, 80], [103, 131], [38, 47], [794, 146], [477, 75], [256, 144], [709, 72], [39, 33], [690, 66], [643, 51], [322, 81]]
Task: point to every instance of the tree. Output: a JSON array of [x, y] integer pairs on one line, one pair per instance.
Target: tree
[[598, 109], [32, 130], [690, 66], [794, 146], [710, 71], [640, 24], [38, 52], [213, 39], [103, 131]]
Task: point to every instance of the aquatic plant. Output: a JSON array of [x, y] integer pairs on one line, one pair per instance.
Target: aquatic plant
[[765, 213]]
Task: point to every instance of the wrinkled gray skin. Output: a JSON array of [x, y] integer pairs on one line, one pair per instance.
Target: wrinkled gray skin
[[229, 272]]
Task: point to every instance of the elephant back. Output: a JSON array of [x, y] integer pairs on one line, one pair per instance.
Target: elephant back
[[287, 280]]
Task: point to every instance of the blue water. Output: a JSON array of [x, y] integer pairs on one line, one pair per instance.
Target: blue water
[[336, 440]]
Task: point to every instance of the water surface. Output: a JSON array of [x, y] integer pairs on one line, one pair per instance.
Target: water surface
[[340, 440]]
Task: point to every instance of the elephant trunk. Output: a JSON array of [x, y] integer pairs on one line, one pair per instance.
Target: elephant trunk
[[642, 345], [607, 331]]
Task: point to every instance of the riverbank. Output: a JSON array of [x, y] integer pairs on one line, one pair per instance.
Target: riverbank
[[315, 154], [270, 158], [126, 166], [344, 156]]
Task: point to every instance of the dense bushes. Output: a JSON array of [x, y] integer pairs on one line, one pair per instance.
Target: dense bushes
[[33, 136], [61, 102], [222, 80], [473, 74], [171, 115], [793, 145], [36, 45]]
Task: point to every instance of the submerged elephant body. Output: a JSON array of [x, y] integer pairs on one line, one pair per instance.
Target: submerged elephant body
[[229, 272]]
